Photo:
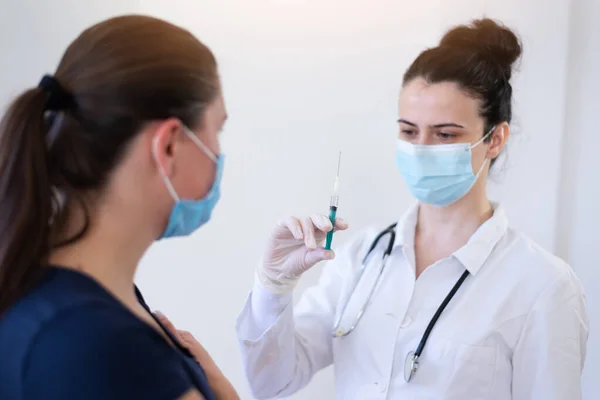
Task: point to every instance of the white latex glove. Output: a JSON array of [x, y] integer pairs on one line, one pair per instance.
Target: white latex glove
[[295, 246]]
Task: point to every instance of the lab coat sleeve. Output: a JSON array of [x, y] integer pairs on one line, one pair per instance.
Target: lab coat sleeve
[[283, 346], [550, 354]]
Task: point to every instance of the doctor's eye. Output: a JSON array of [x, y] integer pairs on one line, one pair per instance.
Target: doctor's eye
[[446, 136], [408, 132]]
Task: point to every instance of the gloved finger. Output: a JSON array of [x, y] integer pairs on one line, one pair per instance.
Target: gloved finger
[[295, 227], [322, 223], [308, 229], [289, 226], [315, 256], [341, 224]]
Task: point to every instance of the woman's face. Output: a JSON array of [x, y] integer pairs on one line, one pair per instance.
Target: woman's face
[[442, 113]]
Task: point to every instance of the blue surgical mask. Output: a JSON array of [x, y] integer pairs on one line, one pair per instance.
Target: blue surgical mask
[[189, 215], [438, 174]]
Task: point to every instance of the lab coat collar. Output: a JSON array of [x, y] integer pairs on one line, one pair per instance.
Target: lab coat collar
[[405, 229], [479, 247]]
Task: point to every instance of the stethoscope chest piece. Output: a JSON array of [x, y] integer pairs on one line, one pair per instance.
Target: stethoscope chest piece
[[411, 365]]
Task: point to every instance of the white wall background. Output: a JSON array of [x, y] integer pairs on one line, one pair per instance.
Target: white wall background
[[303, 79], [34, 34], [578, 213]]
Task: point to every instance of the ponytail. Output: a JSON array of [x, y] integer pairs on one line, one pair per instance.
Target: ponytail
[[25, 196]]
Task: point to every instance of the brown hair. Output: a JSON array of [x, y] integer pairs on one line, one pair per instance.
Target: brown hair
[[478, 57], [117, 75]]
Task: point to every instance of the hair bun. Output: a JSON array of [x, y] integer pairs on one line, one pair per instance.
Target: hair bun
[[488, 37]]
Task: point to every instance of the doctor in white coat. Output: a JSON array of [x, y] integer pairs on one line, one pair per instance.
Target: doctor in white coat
[[453, 302]]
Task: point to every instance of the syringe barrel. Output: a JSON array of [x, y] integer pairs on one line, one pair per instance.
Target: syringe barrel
[[334, 201], [329, 237]]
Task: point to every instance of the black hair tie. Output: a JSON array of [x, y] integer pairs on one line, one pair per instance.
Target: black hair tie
[[57, 98]]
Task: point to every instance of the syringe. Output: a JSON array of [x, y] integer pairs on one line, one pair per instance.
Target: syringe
[[333, 205]]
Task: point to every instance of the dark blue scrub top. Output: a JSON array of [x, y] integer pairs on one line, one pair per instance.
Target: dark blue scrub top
[[69, 338]]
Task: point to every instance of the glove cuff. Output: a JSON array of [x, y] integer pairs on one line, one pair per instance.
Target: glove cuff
[[274, 283]]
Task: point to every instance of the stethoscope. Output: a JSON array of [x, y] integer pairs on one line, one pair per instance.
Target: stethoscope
[[411, 364]]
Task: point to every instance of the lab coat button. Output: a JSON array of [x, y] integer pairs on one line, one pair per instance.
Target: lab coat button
[[407, 321]]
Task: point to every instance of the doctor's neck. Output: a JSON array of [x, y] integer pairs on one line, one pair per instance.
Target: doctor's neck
[[459, 220]]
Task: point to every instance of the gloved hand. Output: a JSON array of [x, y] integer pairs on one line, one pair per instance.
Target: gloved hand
[[295, 246]]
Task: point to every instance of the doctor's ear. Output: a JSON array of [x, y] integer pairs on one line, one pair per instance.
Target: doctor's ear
[[497, 140], [166, 140]]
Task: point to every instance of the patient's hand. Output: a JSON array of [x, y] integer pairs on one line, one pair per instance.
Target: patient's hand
[[219, 384]]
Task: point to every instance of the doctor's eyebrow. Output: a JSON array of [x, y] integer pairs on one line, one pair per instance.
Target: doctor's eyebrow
[[403, 121], [437, 126]]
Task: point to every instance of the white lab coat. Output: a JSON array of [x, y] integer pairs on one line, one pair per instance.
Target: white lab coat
[[516, 329]]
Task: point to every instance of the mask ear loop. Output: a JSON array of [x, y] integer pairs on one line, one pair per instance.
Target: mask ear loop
[[481, 168], [478, 143], [199, 143], [163, 172]]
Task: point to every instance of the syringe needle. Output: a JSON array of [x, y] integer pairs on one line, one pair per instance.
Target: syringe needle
[[333, 205]]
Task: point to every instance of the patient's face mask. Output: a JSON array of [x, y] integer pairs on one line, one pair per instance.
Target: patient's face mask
[[438, 174], [189, 215]]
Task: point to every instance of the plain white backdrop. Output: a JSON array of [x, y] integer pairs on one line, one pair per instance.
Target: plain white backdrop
[[305, 78]]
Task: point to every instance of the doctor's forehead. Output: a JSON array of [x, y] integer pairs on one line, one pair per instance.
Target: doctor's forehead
[[426, 103]]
